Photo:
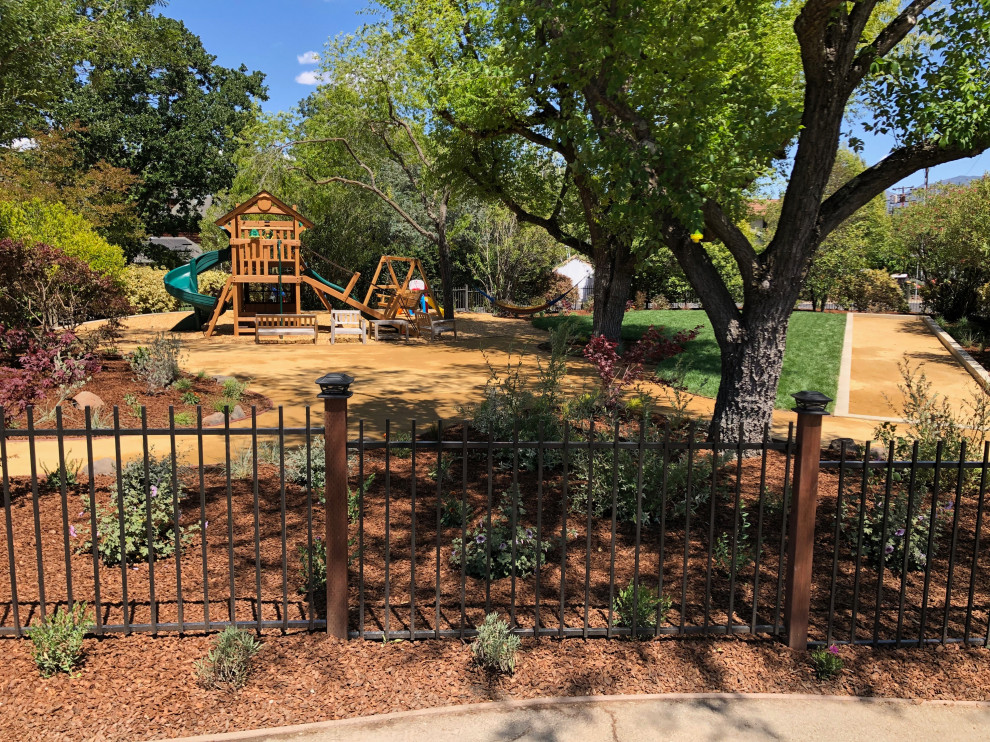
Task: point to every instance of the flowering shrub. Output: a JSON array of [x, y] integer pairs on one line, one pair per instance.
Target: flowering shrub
[[616, 372], [903, 530], [826, 662], [137, 493], [481, 545]]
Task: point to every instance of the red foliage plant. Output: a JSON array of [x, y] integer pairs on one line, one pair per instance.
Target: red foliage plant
[[44, 294], [616, 372]]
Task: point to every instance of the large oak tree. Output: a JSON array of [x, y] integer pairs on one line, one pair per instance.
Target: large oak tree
[[661, 115]]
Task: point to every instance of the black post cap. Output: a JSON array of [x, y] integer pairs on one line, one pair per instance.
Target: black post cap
[[811, 403], [334, 385]]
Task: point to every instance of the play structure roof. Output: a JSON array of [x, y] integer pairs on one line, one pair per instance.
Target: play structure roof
[[251, 206]]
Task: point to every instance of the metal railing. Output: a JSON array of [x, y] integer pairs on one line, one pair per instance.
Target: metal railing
[[565, 537]]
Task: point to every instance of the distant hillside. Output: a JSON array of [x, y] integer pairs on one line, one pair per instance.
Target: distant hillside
[[960, 180]]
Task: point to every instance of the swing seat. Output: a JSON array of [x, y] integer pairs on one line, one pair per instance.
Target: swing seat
[[285, 325]]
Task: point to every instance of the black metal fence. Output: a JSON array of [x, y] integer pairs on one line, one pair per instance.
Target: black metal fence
[[599, 533]]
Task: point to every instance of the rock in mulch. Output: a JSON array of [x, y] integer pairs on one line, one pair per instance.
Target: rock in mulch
[[221, 379], [87, 399], [101, 467], [215, 418]]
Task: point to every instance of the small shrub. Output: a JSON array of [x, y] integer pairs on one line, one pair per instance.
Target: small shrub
[[53, 477], [184, 419], [494, 649], [826, 662], [132, 404], [182, 385], [158, 364], [871, 291], [453, 511], [903, 530], [233, 389], [136, 495], [315, 580], [648, 610], [229, 660], [242, 463], [400, 436], [190, 398], [224, 405], [530, 554], [58, 640], [722, 550], [145, 290]]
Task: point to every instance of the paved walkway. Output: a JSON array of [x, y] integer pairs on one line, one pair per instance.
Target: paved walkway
[[879, 343], [691, 718]]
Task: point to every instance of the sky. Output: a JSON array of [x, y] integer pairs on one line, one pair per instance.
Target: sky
[[281, 39]]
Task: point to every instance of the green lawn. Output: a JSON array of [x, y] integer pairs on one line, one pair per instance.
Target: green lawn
[[811, 359]]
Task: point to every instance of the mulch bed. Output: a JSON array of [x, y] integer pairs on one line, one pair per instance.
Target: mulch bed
[[117, 386], [143, 687], [701, 593]]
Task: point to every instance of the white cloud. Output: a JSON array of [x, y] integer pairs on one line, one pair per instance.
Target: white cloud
[[311, 77], [23, 143], [308, 58]]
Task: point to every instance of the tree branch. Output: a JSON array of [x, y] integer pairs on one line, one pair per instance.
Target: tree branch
[[372, 189], [551, 224], [725, 230], [874, 180], [887, 39]]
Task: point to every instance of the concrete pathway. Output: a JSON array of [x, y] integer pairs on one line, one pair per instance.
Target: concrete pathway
[[879, 342], [671, 718]]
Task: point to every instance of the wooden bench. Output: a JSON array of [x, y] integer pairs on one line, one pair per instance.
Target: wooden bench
[[435, 326], [348, 322], [283, 325]]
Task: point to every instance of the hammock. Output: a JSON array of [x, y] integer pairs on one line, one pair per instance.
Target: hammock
[[521, 311]]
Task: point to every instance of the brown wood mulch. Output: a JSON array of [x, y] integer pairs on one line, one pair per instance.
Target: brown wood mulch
[[142, 687], [118, 386]]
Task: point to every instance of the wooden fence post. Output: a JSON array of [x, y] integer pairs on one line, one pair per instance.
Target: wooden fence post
[[334, 392], [801, 524]]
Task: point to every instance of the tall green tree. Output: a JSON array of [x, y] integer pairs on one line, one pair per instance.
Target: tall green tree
[[665, 112], [42, 45], [948, 234], [163, 109]]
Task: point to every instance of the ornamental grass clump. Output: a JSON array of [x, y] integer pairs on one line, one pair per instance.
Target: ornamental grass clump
[[495, 648], [229, 660], [826, 662], [58, 639]]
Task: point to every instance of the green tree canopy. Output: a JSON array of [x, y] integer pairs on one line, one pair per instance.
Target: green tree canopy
[[164, 110], [661, 115]]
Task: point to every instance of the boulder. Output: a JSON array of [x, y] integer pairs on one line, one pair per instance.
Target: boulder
[[238, 413], [853, 450], [87, 399], [213, 419], [101, 467], [220, 379]]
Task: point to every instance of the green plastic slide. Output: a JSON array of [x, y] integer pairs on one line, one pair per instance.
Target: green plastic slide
[[182, 283]]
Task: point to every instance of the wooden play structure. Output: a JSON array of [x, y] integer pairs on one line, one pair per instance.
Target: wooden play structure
[[268, 270], [399, 289], [268, 273]]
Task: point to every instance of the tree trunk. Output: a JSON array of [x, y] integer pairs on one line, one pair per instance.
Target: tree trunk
[[614, 267], [751, 365], [446, 275]]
